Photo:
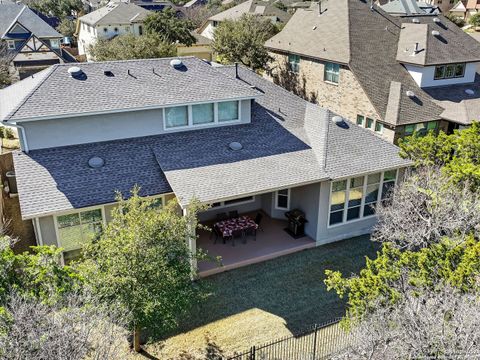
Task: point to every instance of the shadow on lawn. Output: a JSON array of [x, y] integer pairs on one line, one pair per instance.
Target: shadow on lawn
[[290, 287]]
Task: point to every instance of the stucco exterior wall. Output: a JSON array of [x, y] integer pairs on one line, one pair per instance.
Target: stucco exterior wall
[[47, 231], [88, 129], [424, 76]]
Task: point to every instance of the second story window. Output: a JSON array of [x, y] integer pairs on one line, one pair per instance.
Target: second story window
[[449, 71], [294, 63], [176, 116], [228, 111], [202, 114], [11, 44], [369, 124], [55, 44], [378, 127], [360, 120], [332, 73]]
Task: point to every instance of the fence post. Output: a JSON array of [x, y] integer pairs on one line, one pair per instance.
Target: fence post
[[315, 343], [252, 353]]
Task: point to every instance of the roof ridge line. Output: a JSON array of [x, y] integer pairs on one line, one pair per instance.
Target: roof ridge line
[[16, 20], [30, 94]]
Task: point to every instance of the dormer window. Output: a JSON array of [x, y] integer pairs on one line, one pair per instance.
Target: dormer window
[[228, 111], [11, 44], [202, 114], [176, 116], [449, 71]]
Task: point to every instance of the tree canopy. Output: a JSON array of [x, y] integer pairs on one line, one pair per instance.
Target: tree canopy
[[142, 261], [243, 41], [126, 47], [58, 8], [169, 27], [474, 19]]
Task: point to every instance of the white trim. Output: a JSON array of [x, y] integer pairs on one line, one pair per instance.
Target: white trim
[[288, 199], [9, 44], [222, 206], [362, 203], [38, 230], [116, 111]]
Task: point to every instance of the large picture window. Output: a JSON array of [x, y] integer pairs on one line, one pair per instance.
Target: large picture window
[[202, 114], [228, 111], [76, 229], [332, 72], [176, 116], [357, 198]]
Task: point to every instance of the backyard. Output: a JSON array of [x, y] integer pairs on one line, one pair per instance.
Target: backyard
[[265, 301]]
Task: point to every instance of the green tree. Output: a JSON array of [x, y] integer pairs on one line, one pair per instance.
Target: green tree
[[58, 8], [457, 20], [457, 154], [169, 27], [475, 20], [66, 27], [243, 41], [142, 261], [127, 47], [385, 279]]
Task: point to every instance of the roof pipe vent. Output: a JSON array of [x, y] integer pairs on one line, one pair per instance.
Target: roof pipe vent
[[415, 21], [436, 20], [176, 63], [75, 72], [469, 92], [235, 146], [96, 162], [435, 33], [340, 122], [410, 94]]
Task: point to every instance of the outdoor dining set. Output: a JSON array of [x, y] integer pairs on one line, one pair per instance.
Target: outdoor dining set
[[232, 226]]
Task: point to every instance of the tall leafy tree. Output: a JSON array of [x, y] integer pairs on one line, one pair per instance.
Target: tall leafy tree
[[243, 41], [126, 47], [457, 154], [169, 27], [58, 8], [143, 262]]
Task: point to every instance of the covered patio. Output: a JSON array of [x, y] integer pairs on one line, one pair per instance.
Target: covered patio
[[270, 243]]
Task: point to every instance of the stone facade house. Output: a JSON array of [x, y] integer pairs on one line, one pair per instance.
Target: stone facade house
[[394, 75]]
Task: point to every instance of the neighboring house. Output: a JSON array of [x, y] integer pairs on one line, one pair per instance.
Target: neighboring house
[[170, 126], [266, 9], [444, 5], [202, 48], [465, 8], [31, 44], [409, 8], [109, 21], [393, 75]]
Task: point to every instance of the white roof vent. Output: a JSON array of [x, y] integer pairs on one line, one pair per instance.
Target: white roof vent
[[415, 21], [75, 72], [469, 92], [436, 20], [96, 162], [340, 122], [435, 33], [410, 93], [235, 146], [176, 63]]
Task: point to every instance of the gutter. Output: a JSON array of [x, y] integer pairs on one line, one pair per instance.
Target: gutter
[[23, 134]]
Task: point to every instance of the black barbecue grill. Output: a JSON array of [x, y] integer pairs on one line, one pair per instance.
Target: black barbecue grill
[[296, 223]]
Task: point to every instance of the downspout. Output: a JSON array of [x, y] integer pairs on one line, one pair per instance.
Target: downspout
[[23, 134]]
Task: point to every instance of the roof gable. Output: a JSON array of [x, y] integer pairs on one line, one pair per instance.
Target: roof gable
[[115, 13]]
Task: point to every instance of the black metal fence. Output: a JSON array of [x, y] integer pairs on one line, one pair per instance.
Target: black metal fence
[[316, 343]]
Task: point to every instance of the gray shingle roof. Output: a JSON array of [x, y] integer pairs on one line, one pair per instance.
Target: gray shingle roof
[[151, 83], [115, 13], [9, 13], [256, 7], [369, 42], [289, 142], [409, 7]]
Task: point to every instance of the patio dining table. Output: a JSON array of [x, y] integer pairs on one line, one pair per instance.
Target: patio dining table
[[227, 227]]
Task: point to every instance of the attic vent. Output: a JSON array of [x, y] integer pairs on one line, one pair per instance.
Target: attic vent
[[314, 28], [108, 73], [436, 20], [176, 63], [340, 122], [235, 146], [410, 94], [96, 162], [469, 92], [75, 72], [415, 21], [435, 33]]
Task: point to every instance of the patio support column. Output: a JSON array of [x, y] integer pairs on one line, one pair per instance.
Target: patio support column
[[192, 241]]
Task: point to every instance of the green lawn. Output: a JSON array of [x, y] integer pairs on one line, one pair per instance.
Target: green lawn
[[262, 302]]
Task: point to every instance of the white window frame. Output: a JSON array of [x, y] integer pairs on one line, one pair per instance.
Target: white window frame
[[215, 122], [76, 211], [11, 44], [277, 194], [362, 205], [222, 203], [382, 127], [326, 71]]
